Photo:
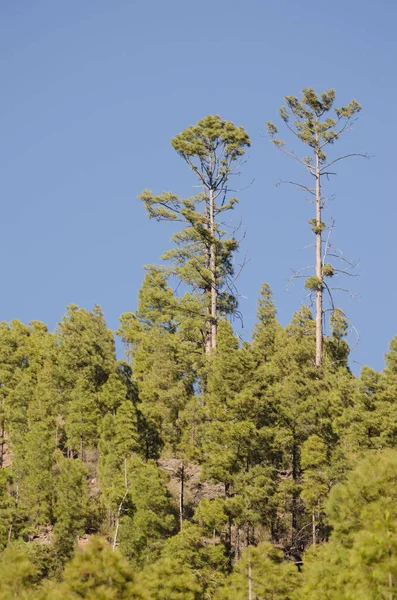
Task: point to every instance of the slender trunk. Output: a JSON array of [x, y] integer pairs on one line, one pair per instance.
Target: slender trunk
[[248, 545], [81, 448], [12, 516], [125, 473], [391, 595], [294, 494], [10, 532], [2, 442], [181, 495], [314, 527], [250, 596], [319, 270], [116, 533], [228, 541], [118, 516], [237, 544], [214, 292], [208, 334]]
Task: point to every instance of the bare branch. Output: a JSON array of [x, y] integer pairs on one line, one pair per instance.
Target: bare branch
[[327, 243], [299, 186], [343, 158], [305, 164]]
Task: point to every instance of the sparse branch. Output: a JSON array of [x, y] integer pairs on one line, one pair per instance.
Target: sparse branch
[[327, 243], [343, 158], [292, 155], [299, 186]]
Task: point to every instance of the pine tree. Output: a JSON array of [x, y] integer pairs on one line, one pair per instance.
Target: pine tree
[[6, 506], [150, 518], [310, 121], [161, 361], [359, 560], [168, 579], [266, 328], [18, 574], [213, 149], [70, 503], [82, 418], [207, 563], [85, 348], [315, 485], [261, 573], [97, 573]]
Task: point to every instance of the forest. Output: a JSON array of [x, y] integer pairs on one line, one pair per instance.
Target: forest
[[199, 465]]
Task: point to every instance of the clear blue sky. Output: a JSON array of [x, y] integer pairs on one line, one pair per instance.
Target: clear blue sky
[[92, 93]]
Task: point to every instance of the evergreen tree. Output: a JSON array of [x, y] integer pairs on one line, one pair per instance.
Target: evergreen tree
[[150, 516], [266, 328], [359, 560], [85, 348], [161, 361], [207, 563], [310, 121], [70, 503], [261, 573], [97, 573], [315, 484], [168, 579], [82, 418], [213, 149], [18, 574]]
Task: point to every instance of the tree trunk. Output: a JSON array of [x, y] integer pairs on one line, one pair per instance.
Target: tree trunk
[[319, 269], [214, 292], [228, 541], [294, 494], [208, 327], [237, 544], [118, 516], [314, 527], [250, 596], [391, 595], [181, 495], [2, 442]]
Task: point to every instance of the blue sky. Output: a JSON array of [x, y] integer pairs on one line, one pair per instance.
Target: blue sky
[[92, 93]]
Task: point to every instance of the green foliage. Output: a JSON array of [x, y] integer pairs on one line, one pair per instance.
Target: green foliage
[[210, 135], [151, 517], [6, 506], [206, 562], [203, 254], [168, 579], [85, 347], [309, 121], [17, 573], [391, 356], [278, 452], [338, 323], [266, 328], [328, 270], [314, 464], [314, 284], [71, 503], [359, 561], [97, 573], [271, 577], [317, 227], [82, 417]]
